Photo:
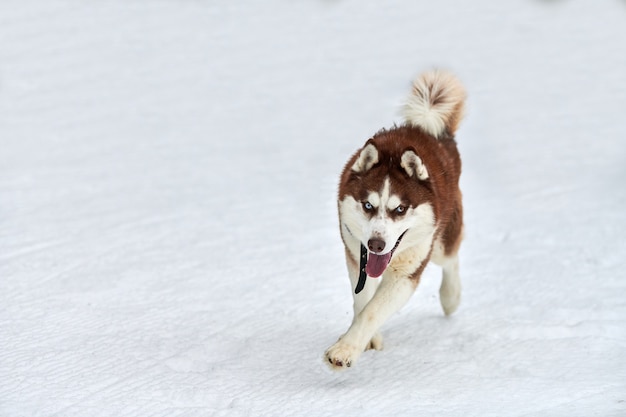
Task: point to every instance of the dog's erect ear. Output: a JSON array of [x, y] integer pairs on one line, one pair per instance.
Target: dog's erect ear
[[366, 159], [413, 165]]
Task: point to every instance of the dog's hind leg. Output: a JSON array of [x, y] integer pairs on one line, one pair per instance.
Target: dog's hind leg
[[450, 290], [445, 254]]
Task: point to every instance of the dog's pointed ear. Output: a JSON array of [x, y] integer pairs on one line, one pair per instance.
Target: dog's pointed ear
[[413, 165], [367, 158]]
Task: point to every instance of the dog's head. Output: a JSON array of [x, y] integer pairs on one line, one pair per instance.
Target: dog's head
[[386, 201]]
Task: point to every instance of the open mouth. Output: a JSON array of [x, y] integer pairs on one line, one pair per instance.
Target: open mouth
[[376, 264]]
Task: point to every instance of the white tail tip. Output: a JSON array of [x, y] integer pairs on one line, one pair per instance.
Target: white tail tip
[[436, 103]]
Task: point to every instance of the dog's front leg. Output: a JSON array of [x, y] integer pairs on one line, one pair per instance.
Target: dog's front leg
[[361, 300], [392, 294]]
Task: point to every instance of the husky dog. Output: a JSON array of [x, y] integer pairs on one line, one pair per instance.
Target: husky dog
[[400, 207]]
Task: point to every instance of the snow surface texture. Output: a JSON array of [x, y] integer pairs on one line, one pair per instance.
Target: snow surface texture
[[168, 235]]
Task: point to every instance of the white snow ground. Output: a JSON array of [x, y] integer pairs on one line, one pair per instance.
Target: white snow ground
[[168, 237]]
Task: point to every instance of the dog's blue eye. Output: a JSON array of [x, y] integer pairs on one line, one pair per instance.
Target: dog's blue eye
[[400, 210], [368, 206]]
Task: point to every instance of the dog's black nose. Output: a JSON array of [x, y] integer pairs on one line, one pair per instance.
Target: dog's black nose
[[376, 245]]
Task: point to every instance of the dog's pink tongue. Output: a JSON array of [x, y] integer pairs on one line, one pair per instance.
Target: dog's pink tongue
[[376, 264]]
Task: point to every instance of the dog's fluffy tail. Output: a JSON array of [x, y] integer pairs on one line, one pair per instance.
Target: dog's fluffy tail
[[436, 103]]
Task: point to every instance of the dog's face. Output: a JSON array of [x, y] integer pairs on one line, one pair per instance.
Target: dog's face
[[387, 204]]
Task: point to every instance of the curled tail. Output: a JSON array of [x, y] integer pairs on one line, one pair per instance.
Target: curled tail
[[436, 103]]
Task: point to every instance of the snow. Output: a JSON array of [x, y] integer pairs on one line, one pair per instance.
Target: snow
[[168, 231]]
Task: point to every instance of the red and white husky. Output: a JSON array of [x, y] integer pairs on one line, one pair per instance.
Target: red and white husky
[[400, 207]]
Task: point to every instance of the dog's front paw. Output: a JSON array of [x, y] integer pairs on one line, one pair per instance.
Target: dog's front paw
[[342, 355]]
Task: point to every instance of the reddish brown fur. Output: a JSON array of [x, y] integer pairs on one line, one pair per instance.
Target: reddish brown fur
[[417, 274], [441, 189]]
